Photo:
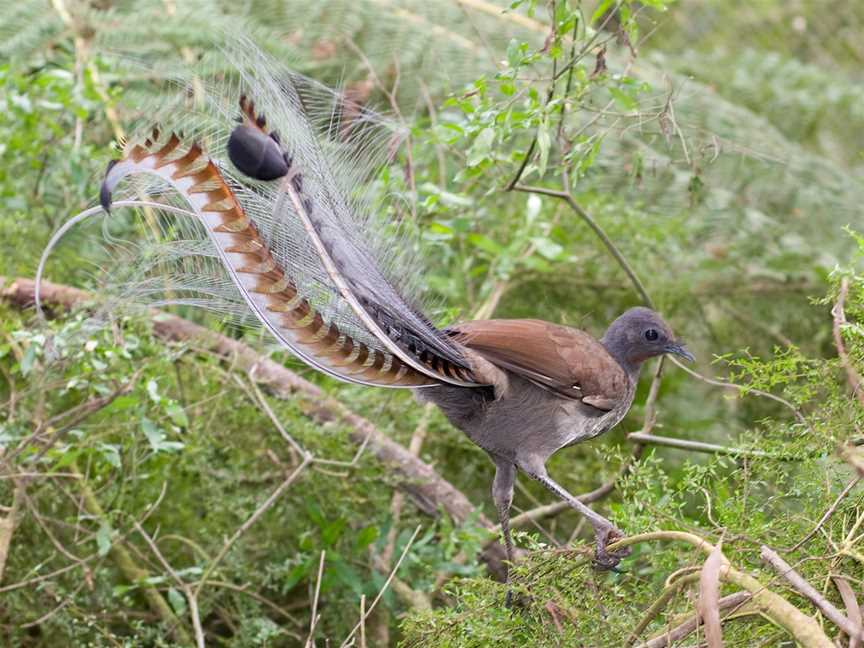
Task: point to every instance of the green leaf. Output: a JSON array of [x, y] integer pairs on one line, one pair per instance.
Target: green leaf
[[548, 248], [153, 391], [103, 539], [177, 414], [365, 537], [481, 148], [29, 359], [177, 601], [544, 143], [485, 243]]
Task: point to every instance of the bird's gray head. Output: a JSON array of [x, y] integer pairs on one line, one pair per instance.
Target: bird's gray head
[[639, 334]]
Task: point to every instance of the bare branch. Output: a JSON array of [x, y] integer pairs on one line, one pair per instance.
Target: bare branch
[[807, 590], [827, 514], [677, 633]]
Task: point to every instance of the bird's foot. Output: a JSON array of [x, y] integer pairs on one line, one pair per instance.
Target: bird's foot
[[608, 560]]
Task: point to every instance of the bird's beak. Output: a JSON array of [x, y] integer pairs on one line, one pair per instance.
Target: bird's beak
[[679, 349]]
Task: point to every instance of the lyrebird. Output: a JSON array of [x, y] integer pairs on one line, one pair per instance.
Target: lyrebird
[[299, 251]]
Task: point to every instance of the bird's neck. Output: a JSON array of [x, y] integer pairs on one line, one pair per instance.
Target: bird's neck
[[619, 352]]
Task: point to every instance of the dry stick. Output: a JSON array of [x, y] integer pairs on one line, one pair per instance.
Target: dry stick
[[362, 621], [699, 446], [193, 601], [598, 231], [75, 415], [133, 573], [243, 589], [853, 611], [826, 515], [839, 322], [313, 621], [799, 625], [243, 528], [383, 588], [807, 590], [7, 526], [679, 632]]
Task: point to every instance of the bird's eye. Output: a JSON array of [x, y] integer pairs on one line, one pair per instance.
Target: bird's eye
[[651, 335]]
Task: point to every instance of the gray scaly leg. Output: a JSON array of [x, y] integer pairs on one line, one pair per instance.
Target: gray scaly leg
[[502, 494], [604, 531]]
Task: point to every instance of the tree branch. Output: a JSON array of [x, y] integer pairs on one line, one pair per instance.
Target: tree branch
[[808, 591], [419, 480]]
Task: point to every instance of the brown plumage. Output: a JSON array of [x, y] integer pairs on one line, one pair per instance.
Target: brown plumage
[[564, 360]]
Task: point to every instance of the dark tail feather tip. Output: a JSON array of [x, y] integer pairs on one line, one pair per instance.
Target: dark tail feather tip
[[104, 191]]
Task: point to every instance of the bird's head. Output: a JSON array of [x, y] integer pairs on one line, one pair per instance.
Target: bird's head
[[639, 334]]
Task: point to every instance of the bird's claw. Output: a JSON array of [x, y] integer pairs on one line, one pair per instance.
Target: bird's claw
[[608, 560]]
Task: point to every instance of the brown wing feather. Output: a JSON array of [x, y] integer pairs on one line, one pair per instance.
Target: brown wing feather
[[565, 360]]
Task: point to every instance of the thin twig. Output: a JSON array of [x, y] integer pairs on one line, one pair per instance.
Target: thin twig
[[853, 610], [660, 604], [679, 632], [839, 322], [708, 604], [827, 514], [248, 523], [567, 197], [741, 388], [313, 621], [805, 629], [383, 588], [699, 446], [190, 597]]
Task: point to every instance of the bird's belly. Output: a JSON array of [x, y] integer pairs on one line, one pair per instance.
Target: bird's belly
[[530, 419]]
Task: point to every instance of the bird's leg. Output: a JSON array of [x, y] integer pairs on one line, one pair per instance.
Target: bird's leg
[[502, 494], [604, 531]]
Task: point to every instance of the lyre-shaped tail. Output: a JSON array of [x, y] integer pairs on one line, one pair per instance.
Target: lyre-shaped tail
[[286, 221], [268, 291]]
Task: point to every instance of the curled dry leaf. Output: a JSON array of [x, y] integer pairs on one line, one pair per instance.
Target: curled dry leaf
[[853, 611], [709, 597]]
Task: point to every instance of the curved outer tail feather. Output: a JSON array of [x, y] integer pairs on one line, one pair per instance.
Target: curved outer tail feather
[[268, 291]]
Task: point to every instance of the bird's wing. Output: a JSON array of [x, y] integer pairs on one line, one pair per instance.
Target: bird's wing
[[567, 361]]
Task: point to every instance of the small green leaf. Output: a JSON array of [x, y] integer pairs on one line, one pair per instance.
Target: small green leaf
[[103, 539], [177, 601], [548, 248], [544, 143], [153, 391], [485, 243], [177, 415], [367, 536]]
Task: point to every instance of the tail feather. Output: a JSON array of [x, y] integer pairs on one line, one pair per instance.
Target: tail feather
[[305, 251]]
